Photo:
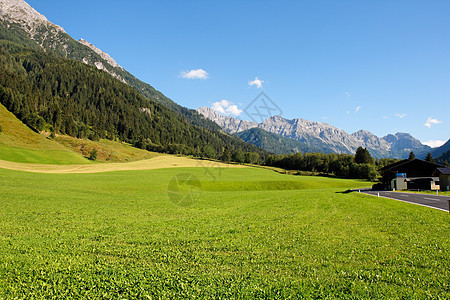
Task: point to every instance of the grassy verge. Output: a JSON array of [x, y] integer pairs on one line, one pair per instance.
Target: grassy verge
[[248, 233], [440, 193]]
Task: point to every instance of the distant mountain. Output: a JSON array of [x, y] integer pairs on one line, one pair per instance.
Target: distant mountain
[[324, 137], [22, 24], [320, 135], [441, 150], [371, 140], [403, 143], [274, 143], [228, 124]]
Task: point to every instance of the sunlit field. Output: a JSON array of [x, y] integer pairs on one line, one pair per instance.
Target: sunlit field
[[214, 233]]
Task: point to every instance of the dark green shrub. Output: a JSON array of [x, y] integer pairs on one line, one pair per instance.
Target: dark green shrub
[[93, 154]]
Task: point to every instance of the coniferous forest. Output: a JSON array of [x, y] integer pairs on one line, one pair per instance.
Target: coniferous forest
[[69, 97]]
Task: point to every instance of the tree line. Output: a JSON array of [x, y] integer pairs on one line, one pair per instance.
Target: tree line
[[361, 165]]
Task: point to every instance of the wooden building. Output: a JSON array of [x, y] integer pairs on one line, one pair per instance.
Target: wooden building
[[409, 174], [444, 178]]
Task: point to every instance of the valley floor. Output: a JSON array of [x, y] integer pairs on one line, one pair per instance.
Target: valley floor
[[207, 232], [157, 162]]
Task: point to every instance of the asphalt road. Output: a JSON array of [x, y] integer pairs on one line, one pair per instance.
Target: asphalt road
[[433, 201]]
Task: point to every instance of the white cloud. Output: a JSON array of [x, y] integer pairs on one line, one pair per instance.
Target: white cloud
[[401, 116], [226, 107], [348, 112], [431, 121], [258, 82], [384, 117], [195, 74], [358, 108], [348, 94], [434, 144]]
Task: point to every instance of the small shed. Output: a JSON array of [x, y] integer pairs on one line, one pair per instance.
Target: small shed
[[444, 178]]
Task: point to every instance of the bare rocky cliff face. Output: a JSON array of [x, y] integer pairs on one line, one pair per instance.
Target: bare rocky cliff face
[[323, 135], [20, 12], [102, 54], [371, 140], [52, 36], [99, 64], [307, 131], [228, 124]]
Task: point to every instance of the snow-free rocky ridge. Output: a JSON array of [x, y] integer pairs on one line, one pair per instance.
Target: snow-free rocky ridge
[[324, 136], [52, 36]]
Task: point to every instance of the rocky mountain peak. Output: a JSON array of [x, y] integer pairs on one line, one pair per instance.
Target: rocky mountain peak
[[276, 118], [362, 133], [208, 113], [228, 124], [405, 142], [366, 136], [20, 12], [50, 36]]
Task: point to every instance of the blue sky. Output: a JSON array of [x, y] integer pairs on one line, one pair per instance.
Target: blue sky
[[381, 66]]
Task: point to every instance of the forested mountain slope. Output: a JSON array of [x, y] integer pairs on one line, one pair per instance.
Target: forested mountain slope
[[45, 91], [20, 23]]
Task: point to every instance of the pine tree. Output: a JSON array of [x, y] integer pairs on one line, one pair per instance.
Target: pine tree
[[429, 158], [226, 156], [362, 156], [411, 155]]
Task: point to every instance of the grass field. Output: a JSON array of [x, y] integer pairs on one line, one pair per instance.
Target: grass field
[[245, 233], [18, 143], [59, 157]]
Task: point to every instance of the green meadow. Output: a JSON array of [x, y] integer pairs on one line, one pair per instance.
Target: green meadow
[[18, 143], [233, 233], [59, 157]]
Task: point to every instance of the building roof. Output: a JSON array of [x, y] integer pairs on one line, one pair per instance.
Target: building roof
[[412, 168], [403, 162], [443, 171], [394, 164]]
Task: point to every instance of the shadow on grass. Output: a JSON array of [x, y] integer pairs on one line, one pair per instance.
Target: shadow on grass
[[345, 192], [354, 190]]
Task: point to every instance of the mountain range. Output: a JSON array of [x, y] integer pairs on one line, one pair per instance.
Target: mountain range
[[21, 25], [320, 137]]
